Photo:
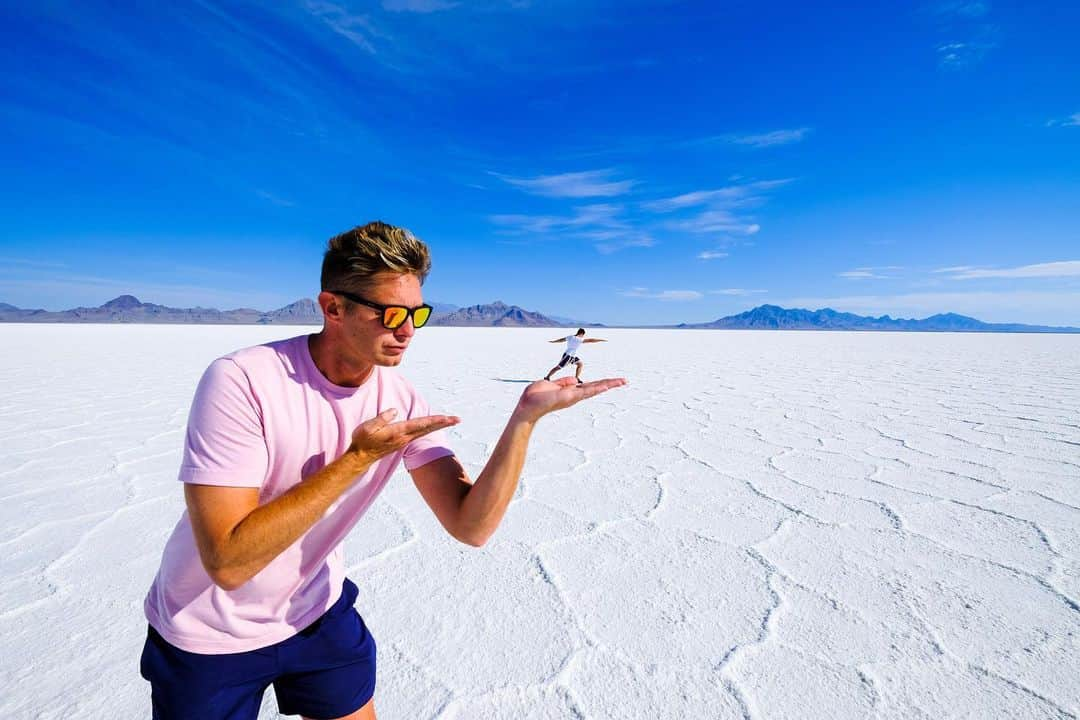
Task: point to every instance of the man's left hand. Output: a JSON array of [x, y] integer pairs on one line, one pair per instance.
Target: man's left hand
[[545, 396]]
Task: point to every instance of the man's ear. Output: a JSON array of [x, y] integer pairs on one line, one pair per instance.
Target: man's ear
[[333, 307]]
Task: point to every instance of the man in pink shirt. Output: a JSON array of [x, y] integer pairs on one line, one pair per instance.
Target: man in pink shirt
[[287, 446]]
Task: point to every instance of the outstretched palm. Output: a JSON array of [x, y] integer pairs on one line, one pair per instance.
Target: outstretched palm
[[379, 436], [545, 396]]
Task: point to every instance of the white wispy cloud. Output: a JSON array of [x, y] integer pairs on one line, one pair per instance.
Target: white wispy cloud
[[717, 221], [970, 35], [963, 54], [270, 197], [719, 211], [679, 295], [869, 273], [30, 263], [769, 139], [531, 223], [736, 291], [600, 215], [599, 224], [358, 29], [589, 183], [723, 209], [667, 295], [418, 6], [1064, 268], [954, 269], [622, 242], [1071, 121], [963, 8], [732, 196]]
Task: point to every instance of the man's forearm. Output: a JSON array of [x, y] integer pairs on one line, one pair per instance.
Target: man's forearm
[[269, 529], [484, 505]]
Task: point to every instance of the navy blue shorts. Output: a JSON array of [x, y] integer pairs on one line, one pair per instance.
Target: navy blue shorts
[[568, 359], [327, 670]]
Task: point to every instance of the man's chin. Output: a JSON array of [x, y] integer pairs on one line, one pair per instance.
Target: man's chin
[[391, 358]]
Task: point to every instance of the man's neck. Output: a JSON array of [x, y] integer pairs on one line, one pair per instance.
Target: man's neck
[[334, 367]]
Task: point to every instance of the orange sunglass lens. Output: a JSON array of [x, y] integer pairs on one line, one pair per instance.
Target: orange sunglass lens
[[420, 316], [394, 317]]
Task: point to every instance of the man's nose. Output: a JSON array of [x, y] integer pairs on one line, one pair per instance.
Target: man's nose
[[406, 330]]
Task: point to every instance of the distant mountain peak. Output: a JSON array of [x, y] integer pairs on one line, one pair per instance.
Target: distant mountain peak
[[301, 305], [123, 302], [301, 310], [496, 314]]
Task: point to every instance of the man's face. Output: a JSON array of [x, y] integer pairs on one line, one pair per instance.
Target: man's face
[[364, 333]]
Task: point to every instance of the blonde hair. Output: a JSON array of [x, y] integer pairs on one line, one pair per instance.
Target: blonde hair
[[354, 256]]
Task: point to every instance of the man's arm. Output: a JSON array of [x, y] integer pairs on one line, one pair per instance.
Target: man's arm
[[472, 512], [469, 511], [595, 340], [237, 537], [562, 339]]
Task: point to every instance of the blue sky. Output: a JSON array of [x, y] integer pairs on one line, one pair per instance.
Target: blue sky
[[619, 162]]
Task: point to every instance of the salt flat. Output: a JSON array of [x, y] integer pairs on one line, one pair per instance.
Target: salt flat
[[762, 525]]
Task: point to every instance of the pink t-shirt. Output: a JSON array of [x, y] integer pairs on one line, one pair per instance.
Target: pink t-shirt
[[266, 417]]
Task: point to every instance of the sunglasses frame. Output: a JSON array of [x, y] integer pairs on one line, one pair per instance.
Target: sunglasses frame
[[409, 311]]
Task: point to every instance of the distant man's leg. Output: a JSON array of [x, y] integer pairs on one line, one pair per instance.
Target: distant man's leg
[[365, 713], [577, 373], [562, 364]]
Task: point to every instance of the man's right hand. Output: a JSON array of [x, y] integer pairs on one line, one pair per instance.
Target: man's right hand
[[237, 537], [379, 436]]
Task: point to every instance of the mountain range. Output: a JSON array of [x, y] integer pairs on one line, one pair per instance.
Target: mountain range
[[496, 314], [128, 309], [773, 317]]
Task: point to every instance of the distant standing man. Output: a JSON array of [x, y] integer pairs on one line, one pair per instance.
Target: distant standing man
[[573, 342], [287, 445]]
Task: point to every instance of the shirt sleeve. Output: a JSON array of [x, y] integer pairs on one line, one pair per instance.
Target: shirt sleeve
[[224, 443], [426, 448]]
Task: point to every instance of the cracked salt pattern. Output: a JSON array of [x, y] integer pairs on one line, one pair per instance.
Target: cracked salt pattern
[[762, 525]]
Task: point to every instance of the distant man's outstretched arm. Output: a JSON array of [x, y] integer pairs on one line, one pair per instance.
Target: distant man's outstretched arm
[[594, 340], [562, 339], [472, 511]]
